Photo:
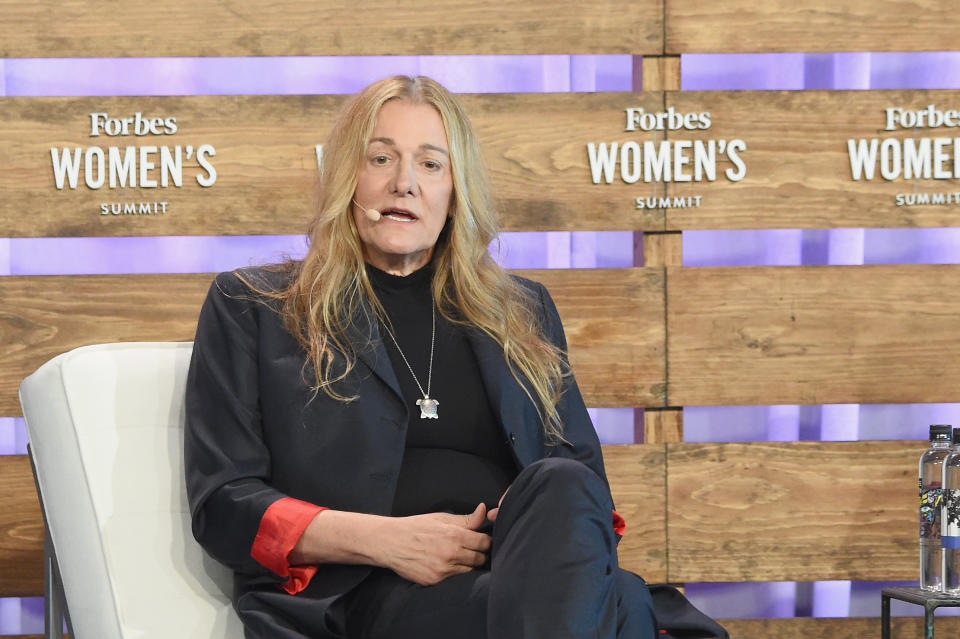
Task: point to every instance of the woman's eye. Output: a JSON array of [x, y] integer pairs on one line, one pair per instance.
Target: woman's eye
[[380, 159], [431, 165]]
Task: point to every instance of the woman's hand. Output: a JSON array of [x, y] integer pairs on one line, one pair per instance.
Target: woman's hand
[[492, 515], [426, 549]]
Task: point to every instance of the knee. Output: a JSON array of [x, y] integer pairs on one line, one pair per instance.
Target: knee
[[635, 604], [557, 494], [633, 587], [564, 474]]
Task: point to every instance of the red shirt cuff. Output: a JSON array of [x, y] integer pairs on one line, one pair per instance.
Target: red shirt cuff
[[619, 524], [280, 529]]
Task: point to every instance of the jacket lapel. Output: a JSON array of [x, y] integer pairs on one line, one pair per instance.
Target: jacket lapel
[[507, 398], [364, 334]]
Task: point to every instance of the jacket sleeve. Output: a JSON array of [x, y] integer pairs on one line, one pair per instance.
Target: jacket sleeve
[[280, 529], [226, 460], [581, 438]]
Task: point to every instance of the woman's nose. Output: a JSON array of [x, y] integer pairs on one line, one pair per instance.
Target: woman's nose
[[405, 179]]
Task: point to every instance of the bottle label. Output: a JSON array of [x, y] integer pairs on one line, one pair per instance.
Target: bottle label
[[951, 518], [930, 503]]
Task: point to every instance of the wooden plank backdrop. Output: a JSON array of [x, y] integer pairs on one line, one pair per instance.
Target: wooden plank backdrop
[[695, 26], [613, 319], [266, 163], [812, 334], [21, 530], [42, 316], [798, 168], [654, 337], [776, 511], [835, 627], [637, 475], [798, 165], [85, 28]]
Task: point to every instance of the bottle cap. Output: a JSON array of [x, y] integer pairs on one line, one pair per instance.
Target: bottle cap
[[940, 432]]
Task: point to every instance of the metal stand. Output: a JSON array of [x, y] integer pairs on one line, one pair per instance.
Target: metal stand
[[54, 602], [55, 611], [929, 599]]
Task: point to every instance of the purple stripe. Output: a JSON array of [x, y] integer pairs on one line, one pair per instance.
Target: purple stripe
[[203, 254], [299, 75]]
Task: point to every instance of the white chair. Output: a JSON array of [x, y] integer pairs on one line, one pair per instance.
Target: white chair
[[105, 425]]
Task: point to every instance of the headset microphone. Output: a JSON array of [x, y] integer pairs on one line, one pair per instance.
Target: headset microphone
[[372, 214]]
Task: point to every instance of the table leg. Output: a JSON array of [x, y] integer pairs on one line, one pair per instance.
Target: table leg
[[928, 621]]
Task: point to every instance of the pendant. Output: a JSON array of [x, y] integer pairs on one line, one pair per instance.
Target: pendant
[[428, 408]]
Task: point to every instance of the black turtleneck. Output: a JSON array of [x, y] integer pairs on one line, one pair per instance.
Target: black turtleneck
[[452, 463]]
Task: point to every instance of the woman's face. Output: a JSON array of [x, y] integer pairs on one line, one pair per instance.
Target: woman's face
[[405, 175]]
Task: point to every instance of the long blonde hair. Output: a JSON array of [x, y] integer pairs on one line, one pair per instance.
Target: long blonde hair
[[329, 287]]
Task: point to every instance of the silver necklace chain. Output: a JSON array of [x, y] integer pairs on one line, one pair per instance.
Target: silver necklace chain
[[428, 406]]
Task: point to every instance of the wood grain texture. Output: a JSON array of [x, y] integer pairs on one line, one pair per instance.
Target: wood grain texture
[[663, 249], [662, 425], [85, 28], [792, 511], [21, 530], [798, 166], [813, 335], [613, 319], [637, 481], [266, 163], [660, 73], [809, 25], [43, 316], [836, 627], [536, 149]]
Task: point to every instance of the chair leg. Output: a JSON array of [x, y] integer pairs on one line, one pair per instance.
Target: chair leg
[[54, 602], [54, 599]]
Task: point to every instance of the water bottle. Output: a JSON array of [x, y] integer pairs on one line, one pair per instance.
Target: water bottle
[[950, 518], [931, 478]]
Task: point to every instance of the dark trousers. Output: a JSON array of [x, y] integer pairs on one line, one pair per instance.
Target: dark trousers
[[553, 575]]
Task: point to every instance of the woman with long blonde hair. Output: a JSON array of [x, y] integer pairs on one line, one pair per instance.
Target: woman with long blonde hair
[[384, 439]]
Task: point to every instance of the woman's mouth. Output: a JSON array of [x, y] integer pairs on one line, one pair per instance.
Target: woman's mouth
[[399, 215]]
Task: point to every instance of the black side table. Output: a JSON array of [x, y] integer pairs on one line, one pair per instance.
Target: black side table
[[929, 599]]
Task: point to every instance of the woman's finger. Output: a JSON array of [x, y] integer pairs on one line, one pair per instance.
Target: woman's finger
[[475, 519], [471, 558], [476, 541]]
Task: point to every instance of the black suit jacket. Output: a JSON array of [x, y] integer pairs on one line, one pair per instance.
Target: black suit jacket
[[255, 432]]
